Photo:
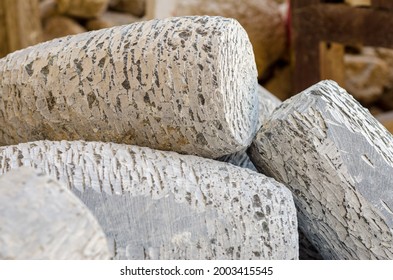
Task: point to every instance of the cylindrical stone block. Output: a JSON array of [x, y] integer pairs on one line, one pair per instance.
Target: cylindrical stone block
[[183, 84], [338, 162], [42, 219], [162, 205]]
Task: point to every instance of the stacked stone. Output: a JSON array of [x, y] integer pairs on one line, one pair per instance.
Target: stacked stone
[[264, 21], [131, 119], [193, 89], [69, 17]]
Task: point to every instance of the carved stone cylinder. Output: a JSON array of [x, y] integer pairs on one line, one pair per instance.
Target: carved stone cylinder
[[183, 84]]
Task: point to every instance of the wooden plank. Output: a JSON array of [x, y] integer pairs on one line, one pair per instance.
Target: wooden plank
[[21, 25], [346, 25], [303, 3], [384, 4], [3, 33], [306, 50], [332, 62]]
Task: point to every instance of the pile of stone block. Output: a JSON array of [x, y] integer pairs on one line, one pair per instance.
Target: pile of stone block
[[264, 21], [169, 149]]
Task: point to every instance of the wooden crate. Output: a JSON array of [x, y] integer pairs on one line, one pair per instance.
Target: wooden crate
[[320, 30]]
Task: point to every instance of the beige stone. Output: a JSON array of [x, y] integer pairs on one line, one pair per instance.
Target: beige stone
[[48, 8], [262, 19], [110, 19], [358, 2], [82, 8], [134, 7], [366, 76], [387, 56], [60, 26]]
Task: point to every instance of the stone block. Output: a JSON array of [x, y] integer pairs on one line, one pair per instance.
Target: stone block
[[110, 19], [42, 219], [61, 26], [162, 205], [338, 162], [134, 7], [184, 84], [82, 8]]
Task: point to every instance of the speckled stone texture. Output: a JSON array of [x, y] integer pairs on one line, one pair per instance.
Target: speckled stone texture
[[184, 84], [162, 205], [338, 162], [41, 219], [267, 103], [261, 19]]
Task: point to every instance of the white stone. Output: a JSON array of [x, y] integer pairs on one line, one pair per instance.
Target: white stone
[[41, 219], [162, 205], [338, 162], [183, 84], [267, 103]]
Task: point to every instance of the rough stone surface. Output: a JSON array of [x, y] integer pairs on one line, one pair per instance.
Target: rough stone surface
[[110, 19], [240, 159], [181, 84], [261, 19], [338, 162], [267, 103], [307, 250], [41, 219], [162, 205], [82, 8], [60, 26], [366, 77], [134, 7]]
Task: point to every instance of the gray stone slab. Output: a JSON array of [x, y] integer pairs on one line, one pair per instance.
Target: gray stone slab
[[338, 162], [42, 219], [162, 205]]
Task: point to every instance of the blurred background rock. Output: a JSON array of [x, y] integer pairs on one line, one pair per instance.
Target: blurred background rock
[[368, 71]]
